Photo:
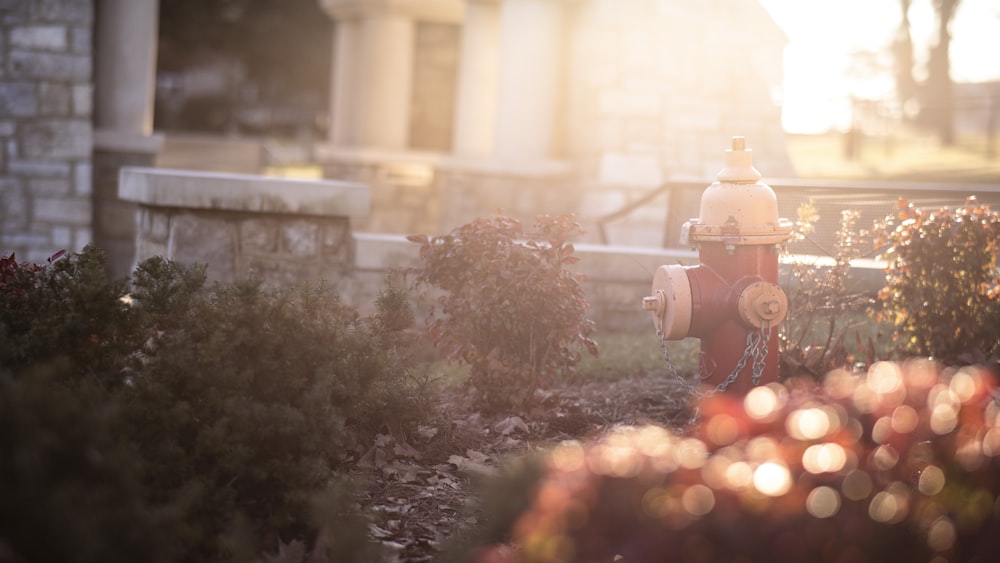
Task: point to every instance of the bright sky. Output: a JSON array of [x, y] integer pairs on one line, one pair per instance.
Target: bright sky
[[823, 33]]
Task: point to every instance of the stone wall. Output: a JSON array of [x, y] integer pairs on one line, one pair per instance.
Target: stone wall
[[647, 90], [45, 126], [281, 231], [656, 88]]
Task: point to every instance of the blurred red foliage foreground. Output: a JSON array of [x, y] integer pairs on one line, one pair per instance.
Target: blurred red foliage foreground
[[896, 464]]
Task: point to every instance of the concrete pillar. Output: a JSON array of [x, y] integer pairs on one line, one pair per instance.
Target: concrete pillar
[[384, 79], [476, 106], [126, 65], [372, 79], [531, 46], [372, 75], [126, 34]]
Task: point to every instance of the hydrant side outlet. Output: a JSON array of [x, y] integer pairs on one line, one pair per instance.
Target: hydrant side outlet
[[671, 302]]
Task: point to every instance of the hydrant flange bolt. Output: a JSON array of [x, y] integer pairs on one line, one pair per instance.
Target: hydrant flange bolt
[[762, 303]]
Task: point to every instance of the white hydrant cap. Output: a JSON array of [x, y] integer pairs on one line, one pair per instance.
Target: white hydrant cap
[[739, 165], [739, 208]]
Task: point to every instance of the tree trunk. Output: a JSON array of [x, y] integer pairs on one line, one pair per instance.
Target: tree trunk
[[938, 100]]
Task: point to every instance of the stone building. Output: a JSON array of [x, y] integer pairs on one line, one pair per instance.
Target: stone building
[[446, 109]]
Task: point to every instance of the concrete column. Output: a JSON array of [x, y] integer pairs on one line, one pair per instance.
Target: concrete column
[[126, 34], [372, 78], [126, 65], [531, 48], [385, 81], [343, 87], [476, 106]]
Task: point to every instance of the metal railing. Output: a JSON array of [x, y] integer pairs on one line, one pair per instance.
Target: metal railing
[[872, 199]]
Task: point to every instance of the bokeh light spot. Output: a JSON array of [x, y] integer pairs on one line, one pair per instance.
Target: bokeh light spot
[[882, 430], [885, 457], [904, 419], [885, 378], [823, 502], [722, 429], [691, 453], [808, 424], [824, 458], [891, 505], [964, 384], [941, 535], [931, 480], [567, 456], [762, 448], [739, 475], [772, 479], [698, 500], [761, 403], [944, 418], [840, 384], [856, 485], [991, 442]]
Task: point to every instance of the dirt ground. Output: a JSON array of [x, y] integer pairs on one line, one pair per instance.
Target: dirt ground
[[422, 491]]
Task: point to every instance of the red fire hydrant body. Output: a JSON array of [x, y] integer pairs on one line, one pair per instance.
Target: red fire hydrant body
[[731, 300]]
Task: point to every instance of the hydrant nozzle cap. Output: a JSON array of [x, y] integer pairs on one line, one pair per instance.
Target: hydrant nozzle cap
[[739, 165]]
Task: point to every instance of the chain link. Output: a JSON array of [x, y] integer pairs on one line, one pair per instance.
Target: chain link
[[755, 350]]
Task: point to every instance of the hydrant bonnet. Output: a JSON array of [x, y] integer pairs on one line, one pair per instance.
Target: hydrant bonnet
[[738, 208]]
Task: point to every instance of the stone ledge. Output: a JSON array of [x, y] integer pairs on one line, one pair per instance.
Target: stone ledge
[[159, 187]]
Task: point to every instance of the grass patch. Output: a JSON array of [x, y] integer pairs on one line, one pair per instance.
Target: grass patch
[[635, 354]]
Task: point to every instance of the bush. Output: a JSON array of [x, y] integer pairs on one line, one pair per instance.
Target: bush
[[901, 464], [942, 288], [66, 309], [829, 326], [510, 309], [223, 413], [69, 489]]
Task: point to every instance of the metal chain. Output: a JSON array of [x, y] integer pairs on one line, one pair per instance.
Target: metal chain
[[760, 353], [756, 350], [671, 369]]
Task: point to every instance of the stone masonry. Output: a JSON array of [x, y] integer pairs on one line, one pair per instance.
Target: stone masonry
[[45, 126], [280, 231]]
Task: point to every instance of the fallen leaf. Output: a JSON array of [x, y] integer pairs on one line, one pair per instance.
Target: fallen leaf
[[405, 450], [510, 425], [426, 432]]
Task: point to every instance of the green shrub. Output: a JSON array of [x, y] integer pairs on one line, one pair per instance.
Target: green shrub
[[510, 308], [223, 413], [68, 489], [942, 288], [65, 309], [246, 404]]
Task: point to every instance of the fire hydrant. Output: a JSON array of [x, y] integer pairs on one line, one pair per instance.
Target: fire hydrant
[[730, 300]]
